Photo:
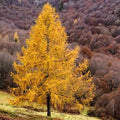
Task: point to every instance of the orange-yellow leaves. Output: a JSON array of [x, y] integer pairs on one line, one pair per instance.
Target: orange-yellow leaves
[[48, 66], [84, 87], [16, 38]]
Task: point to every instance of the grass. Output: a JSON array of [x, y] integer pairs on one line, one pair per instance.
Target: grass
[[35, 112]]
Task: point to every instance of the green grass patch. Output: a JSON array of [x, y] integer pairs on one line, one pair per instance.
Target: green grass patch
[[35, 111]]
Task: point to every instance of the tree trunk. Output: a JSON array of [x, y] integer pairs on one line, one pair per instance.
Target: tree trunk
[[48, 105]]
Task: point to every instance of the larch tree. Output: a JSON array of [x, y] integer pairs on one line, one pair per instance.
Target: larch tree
[[16, 38], [82, 85], [46, 70]]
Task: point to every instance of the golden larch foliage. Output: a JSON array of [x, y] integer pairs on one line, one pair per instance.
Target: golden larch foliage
[[47, 66], [16, 38]]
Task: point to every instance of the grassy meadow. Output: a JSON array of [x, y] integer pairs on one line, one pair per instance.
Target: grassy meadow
[[33, 112]]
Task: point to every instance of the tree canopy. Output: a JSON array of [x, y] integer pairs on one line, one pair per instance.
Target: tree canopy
[[47, 66]]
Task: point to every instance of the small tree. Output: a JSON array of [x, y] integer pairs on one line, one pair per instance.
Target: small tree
[[84, 87], [61, 5], [45, 70], [16, 38]]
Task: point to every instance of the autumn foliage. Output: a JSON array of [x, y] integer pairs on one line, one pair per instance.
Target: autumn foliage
[[47, 67], [94, 25]]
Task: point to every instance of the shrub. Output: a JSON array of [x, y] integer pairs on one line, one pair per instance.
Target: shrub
[[108, 105], [99, 41], [113, 48], [6, 61], [105, 70], [86, 51]]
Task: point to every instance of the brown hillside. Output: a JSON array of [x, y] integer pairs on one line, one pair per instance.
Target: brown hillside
[[92, 24]]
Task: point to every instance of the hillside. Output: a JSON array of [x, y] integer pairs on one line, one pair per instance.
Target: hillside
[[94, 25]]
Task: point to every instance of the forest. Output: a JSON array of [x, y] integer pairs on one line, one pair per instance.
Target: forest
[[59, 57]]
